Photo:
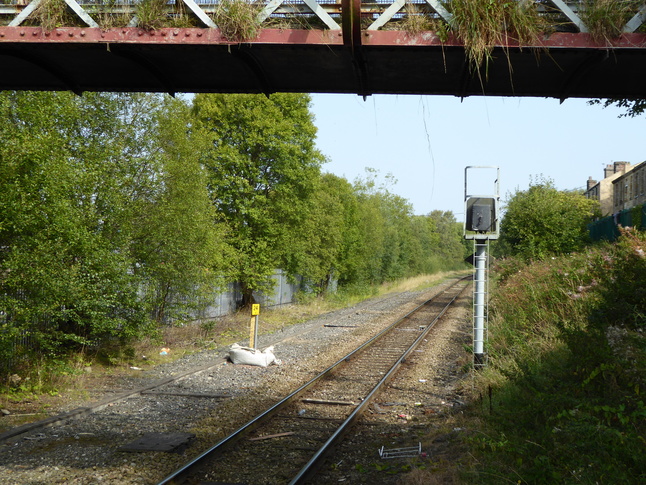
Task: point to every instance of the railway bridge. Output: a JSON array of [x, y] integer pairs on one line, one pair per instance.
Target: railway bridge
[[322, 46]]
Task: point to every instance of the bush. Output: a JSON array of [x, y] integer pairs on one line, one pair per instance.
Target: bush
[[542, 221], [566, 369]]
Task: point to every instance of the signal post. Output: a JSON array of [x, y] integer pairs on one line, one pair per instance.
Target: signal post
[[481, 225]]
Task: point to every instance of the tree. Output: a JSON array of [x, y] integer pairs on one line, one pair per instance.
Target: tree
[[340, 217], [426, 245], [319, 247], [451, 247], [262, 169], [103, 197], [65, 279], [180, 251], [633, 107], [543, 221]]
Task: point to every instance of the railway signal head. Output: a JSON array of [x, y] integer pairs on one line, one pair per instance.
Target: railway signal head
[[481, 211]]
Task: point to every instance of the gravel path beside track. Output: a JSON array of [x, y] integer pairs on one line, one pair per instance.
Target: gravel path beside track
[[86, 451]]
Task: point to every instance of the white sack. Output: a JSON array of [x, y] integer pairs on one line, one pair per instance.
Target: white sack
[[248, 356]]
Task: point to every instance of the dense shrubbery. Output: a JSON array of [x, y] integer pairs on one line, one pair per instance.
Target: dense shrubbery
[[543, 221], [567, 369], [120, 212], [104, 220]]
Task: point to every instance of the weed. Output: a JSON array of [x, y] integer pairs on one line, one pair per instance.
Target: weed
[[442, 30], [151, 14], [605, 18], [295, 21], [484, 24], [105, 14], [45, 376], [157, 14], [236, 20], [415, 22], [566, 370], [51, 14], [360, 468]]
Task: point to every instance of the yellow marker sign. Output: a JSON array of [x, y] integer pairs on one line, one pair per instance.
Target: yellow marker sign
[[253, 325]]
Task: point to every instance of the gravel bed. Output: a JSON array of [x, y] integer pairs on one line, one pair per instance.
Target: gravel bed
[[87, 450]]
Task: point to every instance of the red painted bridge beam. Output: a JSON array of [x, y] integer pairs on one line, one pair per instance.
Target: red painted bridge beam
[[351, 27], [352, 36], [349, 60]]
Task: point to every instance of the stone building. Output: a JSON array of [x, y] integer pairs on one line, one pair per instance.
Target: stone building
[[629, 188], [603, 191]]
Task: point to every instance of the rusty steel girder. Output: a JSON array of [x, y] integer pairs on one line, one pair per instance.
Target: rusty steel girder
[[349, 55]]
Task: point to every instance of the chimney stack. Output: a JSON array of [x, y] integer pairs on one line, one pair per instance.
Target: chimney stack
[[608, 171], [591, 183], [621, 166]]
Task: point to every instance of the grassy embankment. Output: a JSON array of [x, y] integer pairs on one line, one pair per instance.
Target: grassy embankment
[[561, 400]]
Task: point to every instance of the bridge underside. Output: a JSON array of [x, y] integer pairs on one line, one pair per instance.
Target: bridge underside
[[382, 62]]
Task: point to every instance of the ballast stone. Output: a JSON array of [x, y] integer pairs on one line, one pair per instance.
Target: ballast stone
[[166, 442]]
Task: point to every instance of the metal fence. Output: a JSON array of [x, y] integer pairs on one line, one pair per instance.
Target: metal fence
[[607, 229], [228, 301]]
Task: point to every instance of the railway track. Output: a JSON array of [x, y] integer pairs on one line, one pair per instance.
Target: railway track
[[87, 444], [155, 389], [168, 387], [289, 441]]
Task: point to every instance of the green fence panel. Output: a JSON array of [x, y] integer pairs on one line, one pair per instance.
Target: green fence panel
[[607, 229], [604, 229]]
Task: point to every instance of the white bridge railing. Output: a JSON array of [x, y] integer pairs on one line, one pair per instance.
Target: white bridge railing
[[375, 14]]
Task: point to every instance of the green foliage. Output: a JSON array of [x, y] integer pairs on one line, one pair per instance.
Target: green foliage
[[327, 235], [57, 263], [107, 16], [262, 168], [567, 368], [543, 221], [633, 107], [151, 14], [123, 212], [385, 229], [157, 14], [52, 14], [636, 217], [102, 199], [451, 248], [381, 239], [415, 22], [181, 253]]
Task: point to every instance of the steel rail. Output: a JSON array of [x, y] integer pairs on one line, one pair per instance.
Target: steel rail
[[64, 418], [315, 461], [81, 412], [182, 473]]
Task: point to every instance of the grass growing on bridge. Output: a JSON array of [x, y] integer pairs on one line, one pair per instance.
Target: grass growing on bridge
[[605, 19], [51, 14], [483, 24], [237, 20], [155, 14]]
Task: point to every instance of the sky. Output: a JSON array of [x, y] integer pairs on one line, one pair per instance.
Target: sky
[[425, 143]]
